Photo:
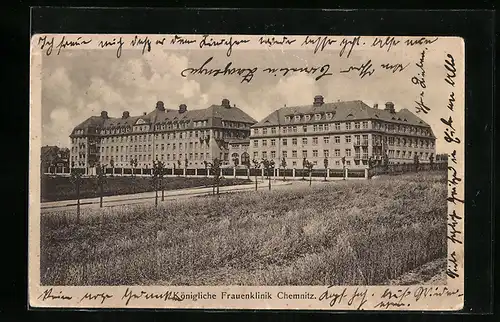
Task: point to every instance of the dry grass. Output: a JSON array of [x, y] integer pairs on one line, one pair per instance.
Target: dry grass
[[366, 232]]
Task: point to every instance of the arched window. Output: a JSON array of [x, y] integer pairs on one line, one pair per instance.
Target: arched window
[[245, 158], [235, 158]]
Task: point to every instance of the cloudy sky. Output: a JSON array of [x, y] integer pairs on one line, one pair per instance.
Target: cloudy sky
[[81, 83]]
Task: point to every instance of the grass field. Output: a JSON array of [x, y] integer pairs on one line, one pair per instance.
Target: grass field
[[343, 233], [61, 188]]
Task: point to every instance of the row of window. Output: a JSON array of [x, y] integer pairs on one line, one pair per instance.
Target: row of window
[[358, 153], [358, 140], [338, 126], [148, 157]]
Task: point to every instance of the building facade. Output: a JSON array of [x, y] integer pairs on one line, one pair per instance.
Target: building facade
[[333, 131], [180, 138]]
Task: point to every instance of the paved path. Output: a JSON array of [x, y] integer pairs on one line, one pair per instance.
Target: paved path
[[148, 197]]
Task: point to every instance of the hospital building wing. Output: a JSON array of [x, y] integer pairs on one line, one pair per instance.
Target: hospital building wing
[[187, 138]]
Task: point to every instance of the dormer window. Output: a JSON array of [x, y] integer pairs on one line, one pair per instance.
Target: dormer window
[[308, 117], [297, 118], [329, 116], [317, 117], [287, 118]]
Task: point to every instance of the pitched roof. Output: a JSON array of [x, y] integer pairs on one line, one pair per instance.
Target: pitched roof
[[168, 115], [342, 111], [225, 113]]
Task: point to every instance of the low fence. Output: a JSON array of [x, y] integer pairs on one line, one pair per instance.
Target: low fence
[[391, 169], [395, 169]]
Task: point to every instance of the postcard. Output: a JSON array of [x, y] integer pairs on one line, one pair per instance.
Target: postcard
[[279, 172]]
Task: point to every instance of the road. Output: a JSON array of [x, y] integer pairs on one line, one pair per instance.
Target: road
[[148, 197]]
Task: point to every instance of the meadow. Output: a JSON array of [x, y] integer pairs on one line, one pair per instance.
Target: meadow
[[54, 188], [343, 233]]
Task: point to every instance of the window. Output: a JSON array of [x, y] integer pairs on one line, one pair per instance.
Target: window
[[315, 141], [264, 154], [294, 154], [294, 141], [320, 127], [348, 126], [317, 117], [273, 154], [365, 124], [337, 152], [285, 154], [304, 153], [273, 130], [326, 153], [348, 152], [315, 128], [337, 126], [297, 118], [348, 162], [273, 142], [347, 139], [294, 163], [255, 143], [287, 118], [336, 139], [264, 142], [255, 131], [337, 162], [285, 129], [315, 153], [264, 130], [284, 142], [304, 141], [356, 125], [294, 128], [255, 154], [326, 139], [304, 128], [308, 117], [328, 115]]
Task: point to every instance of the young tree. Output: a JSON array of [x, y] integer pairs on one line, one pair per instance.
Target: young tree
[[325, 163], [416, 162], [76, 179], [161, 174], [179, 164], [154, 181], [309, 167], [304, 166], [283, 165], [101, 178], [112, 164], [343, 168], [431, 161], [215, 167], [269, 167], [246, 163], [256, 165]]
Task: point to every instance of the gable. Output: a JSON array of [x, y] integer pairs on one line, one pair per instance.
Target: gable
[[140, 122]]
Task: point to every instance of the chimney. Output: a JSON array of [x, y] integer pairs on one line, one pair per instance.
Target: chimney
[[375, 106], [125, 115], [182, 108], [389, 106], [318, 100], [160, 106], [225, 103], [104, 114]]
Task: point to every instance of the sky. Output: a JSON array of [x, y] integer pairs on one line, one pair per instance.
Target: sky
[[80, 83]]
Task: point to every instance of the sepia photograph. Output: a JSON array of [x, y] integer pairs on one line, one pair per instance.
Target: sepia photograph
[[199, 170]]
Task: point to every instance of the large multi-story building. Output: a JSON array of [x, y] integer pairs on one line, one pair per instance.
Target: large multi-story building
[[349, 129], [180, 138]]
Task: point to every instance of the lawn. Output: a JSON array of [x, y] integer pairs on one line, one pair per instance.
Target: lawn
[[343, 233], [61, 188]]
